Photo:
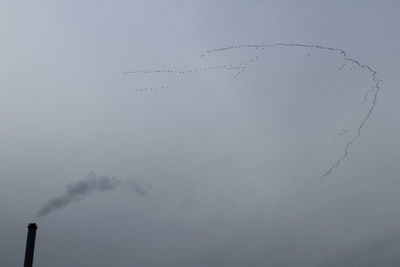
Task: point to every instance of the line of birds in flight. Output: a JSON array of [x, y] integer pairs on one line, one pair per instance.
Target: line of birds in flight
[[243, 66], [240, 68]]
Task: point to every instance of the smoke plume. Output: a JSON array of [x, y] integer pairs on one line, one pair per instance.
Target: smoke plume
[[79, 190]]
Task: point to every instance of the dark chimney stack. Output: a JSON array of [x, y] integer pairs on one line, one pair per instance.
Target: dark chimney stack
[[30, 245]]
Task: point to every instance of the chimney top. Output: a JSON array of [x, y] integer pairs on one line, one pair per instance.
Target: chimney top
[[32, 226]]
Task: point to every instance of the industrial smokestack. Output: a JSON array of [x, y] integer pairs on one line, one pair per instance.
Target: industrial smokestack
[[30, 245]]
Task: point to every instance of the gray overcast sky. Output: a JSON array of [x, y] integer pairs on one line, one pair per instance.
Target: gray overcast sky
[[216, 170]]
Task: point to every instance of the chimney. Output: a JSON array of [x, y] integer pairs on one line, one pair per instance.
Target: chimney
[[30, 245]]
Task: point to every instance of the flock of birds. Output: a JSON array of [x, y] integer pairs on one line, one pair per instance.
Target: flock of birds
[[240, 68], [371, 95]]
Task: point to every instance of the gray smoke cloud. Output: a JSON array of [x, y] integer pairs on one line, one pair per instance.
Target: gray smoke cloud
[[138, 188], [81, 189]]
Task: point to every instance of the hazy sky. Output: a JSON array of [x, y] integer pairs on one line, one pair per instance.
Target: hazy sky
[[213, 168]]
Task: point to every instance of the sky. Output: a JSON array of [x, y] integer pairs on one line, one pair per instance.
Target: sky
[[200, 133]]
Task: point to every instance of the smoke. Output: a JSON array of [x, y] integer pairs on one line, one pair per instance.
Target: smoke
[[139, 189], [81, 189]]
